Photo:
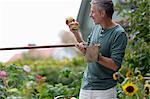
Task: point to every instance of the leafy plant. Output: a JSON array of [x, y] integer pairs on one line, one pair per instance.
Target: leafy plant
[[40, 79], [136, 17], [131, 84]]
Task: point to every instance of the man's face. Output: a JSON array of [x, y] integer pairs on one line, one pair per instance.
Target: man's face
[[95, 14]]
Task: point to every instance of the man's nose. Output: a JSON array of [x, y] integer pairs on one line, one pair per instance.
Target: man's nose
[[90, 14]]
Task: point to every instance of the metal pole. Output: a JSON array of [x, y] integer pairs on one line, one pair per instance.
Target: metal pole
[[36, 47]]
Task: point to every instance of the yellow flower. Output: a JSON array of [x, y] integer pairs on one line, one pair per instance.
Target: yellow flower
[[147, 89], [129, 89], [140, 77], [129, 74], [137, 71], [115, 76]]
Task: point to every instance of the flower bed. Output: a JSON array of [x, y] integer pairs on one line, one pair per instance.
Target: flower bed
[[41, 79]]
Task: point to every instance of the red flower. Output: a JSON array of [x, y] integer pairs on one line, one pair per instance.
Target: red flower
[[38, 77]]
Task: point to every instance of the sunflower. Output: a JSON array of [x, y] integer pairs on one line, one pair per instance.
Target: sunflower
[[116, 76], [129, 74], [129, 89], [140, 77], [147, 89]]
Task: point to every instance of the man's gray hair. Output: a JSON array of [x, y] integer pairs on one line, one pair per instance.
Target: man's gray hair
[[106, 5]]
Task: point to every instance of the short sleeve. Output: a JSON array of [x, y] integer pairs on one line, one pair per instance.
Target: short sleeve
[[118, 48]]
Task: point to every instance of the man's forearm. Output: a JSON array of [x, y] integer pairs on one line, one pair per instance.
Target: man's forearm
[[78, 37], [107, 62]]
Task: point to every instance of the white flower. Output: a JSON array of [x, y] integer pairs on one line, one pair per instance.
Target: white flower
[[29, 84], [73, 98], [26, 68]]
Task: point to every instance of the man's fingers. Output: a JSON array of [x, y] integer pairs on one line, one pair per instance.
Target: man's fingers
[[80, 46], [77, 45]]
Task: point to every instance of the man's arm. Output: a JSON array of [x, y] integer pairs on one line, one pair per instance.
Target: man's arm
[[77, 35], [117, 53], [74, 28], [108, 63], [81, 43]]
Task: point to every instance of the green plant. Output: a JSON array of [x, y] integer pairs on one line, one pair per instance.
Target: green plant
[[136, 15], [40, 79], [131, 84]]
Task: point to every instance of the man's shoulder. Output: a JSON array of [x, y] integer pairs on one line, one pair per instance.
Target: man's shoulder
[[119, 33], [119, 29]]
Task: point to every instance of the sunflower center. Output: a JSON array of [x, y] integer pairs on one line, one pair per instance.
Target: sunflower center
[[130, 89], [147, 90]]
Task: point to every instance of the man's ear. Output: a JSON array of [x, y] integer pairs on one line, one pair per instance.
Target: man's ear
[[103, 13]]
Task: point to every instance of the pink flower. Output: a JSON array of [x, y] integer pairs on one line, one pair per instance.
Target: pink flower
[[3, 74], [38, 77]]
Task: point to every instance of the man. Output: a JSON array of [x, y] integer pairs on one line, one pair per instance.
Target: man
[[98, 80]]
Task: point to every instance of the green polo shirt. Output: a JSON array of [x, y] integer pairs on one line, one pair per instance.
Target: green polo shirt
[[113, 43]]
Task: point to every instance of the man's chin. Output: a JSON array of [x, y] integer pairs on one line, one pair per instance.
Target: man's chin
[[96, 23]]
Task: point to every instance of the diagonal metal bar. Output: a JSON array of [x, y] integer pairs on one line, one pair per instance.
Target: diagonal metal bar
[[36, 47]]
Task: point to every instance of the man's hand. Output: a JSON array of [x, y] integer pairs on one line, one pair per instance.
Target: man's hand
[[73, 24], [82, 47], [92, 53], [74, 28]]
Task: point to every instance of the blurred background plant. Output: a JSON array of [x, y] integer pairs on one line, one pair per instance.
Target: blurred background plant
[[41, 79], [135, 18]]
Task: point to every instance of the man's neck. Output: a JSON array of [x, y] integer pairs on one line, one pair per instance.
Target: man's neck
[[107, 24]]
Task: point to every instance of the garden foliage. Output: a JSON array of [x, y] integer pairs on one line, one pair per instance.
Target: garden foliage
[[41, 79], [135, 17]]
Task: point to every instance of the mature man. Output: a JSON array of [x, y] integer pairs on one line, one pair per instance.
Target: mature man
[[98, 81]]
